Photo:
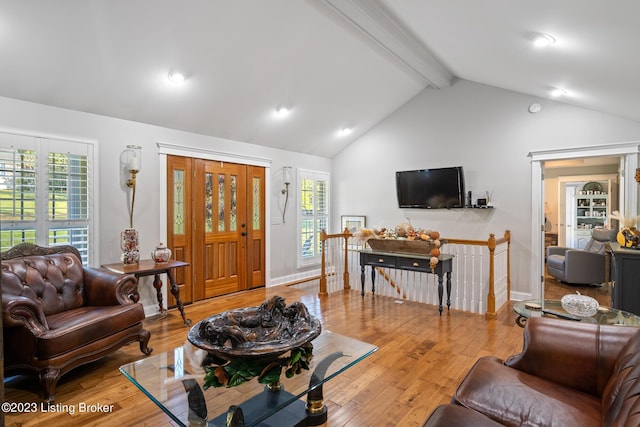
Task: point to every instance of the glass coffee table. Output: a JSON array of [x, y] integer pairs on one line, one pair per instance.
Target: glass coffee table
[[553, 308], [174, 380]]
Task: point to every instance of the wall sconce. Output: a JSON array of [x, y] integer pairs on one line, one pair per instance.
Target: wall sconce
[[286, 178], [131, 159]]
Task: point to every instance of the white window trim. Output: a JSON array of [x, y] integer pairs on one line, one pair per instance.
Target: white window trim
[[316, 176], [93, 183]]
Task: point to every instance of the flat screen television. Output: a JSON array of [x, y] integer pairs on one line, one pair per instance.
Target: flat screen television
[[431, 188]]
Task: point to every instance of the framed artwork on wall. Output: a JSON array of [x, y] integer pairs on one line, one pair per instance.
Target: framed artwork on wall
[[353, 222]]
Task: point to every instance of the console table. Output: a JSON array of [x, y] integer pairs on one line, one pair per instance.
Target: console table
[[148, 267], [411, 262]]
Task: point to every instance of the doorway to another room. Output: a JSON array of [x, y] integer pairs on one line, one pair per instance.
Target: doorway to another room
[[579, 197]]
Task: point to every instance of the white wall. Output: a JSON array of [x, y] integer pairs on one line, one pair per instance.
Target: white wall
[[486, 130], [489, 132], [112, 136]]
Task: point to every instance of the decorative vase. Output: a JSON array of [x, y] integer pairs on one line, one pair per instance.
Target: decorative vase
[[161, 254], [129, 246]]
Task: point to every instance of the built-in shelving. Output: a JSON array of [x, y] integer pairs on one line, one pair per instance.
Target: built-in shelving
[[592, 211]]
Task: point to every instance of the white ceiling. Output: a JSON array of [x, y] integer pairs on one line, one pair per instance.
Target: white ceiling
[[336, 63]]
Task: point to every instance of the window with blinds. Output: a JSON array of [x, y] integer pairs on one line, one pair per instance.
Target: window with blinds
[[313, 215], [45, 192]]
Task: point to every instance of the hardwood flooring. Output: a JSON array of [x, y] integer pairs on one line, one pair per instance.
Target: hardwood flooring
[[555, 289], [422, 358]]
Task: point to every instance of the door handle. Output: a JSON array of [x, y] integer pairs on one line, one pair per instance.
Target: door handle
[[244, 233]]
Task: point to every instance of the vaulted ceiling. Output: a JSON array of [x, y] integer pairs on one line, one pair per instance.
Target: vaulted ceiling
[[334, 63]]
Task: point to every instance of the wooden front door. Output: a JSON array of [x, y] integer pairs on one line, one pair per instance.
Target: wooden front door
[[179, 223], [255, 227], [227, 231]]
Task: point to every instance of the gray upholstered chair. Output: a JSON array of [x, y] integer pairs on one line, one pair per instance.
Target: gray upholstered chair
[[582, 266]]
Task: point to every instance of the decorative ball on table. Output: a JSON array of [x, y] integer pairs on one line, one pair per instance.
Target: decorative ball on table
[[579, 305]]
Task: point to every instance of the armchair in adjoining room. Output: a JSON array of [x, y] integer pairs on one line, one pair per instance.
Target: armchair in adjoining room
[[58, 315], [582, 266]]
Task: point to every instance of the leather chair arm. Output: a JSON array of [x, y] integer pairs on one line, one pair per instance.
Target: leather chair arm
[[574, 354], [22, 311], [104, 287], [556, 250], [585, 257], [584, 267]]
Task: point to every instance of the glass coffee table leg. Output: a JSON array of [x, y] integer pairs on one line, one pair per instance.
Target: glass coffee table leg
[[235, 418], [315, 408]]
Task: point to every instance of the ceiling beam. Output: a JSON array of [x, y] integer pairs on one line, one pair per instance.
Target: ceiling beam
[[370, 17]]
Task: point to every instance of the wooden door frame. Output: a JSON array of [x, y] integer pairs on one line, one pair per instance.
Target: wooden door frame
[[165, 149]]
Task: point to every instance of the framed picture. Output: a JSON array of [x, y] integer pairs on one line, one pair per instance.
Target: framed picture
[[353, 223]]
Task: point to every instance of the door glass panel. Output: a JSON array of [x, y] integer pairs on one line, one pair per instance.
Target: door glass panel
[[208, 202], [221, 188], [233, 213], [256, 203], [178, 202]]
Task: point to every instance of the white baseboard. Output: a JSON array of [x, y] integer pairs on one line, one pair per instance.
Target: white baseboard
[[520, 296], [151, 310], [275, 281]]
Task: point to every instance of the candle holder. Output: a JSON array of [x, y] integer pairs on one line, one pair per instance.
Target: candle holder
[[130, 159]]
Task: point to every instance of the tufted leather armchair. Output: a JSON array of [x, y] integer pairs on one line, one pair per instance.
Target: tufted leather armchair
[[58, 315]]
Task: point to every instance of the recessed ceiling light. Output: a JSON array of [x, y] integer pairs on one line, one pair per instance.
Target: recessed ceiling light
[[345, 131], [176, 77], [543, 40], [282, 112], [558, 92]]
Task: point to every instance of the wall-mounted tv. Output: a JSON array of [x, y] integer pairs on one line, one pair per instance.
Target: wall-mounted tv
[[431, 188]]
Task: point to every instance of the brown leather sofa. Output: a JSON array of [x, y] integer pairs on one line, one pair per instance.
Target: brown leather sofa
[[568, 374], [58, 315]]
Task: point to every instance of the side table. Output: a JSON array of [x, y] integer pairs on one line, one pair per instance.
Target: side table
[[553, 307], [148, 267]]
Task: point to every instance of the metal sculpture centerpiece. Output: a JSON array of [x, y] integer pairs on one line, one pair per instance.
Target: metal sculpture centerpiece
[[249, 342]]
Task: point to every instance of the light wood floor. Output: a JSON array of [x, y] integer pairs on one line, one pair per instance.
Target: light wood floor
[[421, 360], [554, 289]]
